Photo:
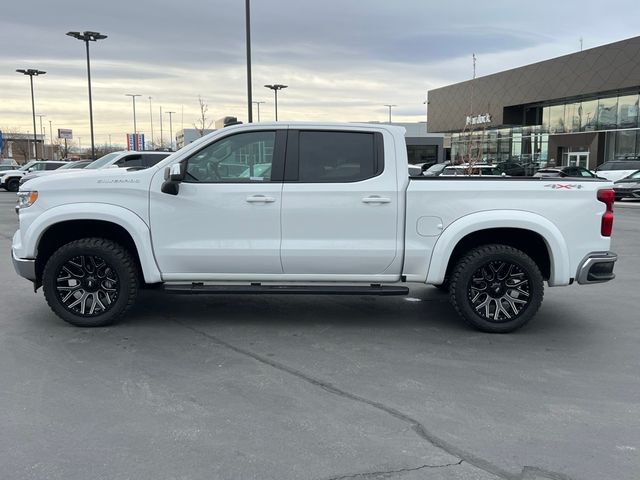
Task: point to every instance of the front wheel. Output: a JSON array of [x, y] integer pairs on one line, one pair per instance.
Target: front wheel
[[90, 282], [13, 185], [496, 288]]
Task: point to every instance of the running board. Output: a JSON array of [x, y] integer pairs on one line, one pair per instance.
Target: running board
[[257, 288]]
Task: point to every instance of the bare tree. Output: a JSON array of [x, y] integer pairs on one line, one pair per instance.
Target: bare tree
[[203, 122], [63, 148]]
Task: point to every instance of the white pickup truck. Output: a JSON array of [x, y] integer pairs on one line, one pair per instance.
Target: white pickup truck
[[308, 208]]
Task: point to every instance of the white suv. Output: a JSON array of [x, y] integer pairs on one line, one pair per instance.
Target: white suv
[[11, 180]]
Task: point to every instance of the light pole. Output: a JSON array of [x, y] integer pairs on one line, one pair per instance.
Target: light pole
[[257, 104], [32, 72], [151, 118], [51, 140], [161, 133], [87, 37], [133, 97], [275, 87], [247, 11], [40, 115], [171, 128], [390, 107]]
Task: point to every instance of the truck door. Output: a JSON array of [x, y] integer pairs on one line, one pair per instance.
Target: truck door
[[339, 204], [225, 219]]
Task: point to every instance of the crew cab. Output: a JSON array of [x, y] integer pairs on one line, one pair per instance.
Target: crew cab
[[303, 208]]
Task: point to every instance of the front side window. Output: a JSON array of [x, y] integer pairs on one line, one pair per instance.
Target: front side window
[[245, 157], [130, 161], [335, 157]]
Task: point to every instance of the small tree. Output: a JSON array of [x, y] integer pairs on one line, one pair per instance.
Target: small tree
[[203, 123]]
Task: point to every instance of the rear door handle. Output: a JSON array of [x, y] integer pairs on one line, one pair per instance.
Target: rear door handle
[[260, 199], [376, 199]]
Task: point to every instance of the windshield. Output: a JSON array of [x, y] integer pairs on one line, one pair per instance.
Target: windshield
[[26, 166], [634, 175], [438, 167], [620, 165], [103, 161]]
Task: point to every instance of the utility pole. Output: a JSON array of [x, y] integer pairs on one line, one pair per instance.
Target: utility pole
[[161, 138], [51, 140], [390, 107], [33, 72], [133, 97], [257, 104], [171, 128], [151, 119], [40, 115]]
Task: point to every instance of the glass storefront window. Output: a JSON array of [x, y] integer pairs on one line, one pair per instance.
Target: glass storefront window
[[628, 111], [588, 116], [625, 145], [607, 113], [572, 117], [556, 119]]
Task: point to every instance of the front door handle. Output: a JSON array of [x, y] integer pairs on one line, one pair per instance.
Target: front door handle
[[260, 199], [376, 199]]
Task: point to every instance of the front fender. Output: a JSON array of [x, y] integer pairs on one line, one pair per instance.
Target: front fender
[[132, 223], [557, 247]]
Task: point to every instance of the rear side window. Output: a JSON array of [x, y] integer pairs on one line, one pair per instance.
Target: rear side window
[[336, 157], [52, 166], [151, 160], [130, 161]]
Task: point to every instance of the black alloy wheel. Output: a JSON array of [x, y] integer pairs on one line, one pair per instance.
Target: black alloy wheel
[[90, 282], [496, 288]]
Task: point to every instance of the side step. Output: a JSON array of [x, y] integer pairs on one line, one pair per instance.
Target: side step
[[257, 288]]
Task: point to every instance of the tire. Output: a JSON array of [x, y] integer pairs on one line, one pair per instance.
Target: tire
[[90, 282], [496, 288], [12, 185], [618, 198]]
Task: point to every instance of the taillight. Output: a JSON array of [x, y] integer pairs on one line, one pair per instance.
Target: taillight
[[607, 197]]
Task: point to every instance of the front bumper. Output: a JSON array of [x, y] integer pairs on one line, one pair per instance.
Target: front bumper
[[597, 267], [633, 192], [24, 267]]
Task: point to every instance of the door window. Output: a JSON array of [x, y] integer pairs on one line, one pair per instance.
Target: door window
[[336, 157], [130, 161], [242, 158]]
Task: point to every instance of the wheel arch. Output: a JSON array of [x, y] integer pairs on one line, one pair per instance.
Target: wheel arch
[[68, 224], [533, 234]]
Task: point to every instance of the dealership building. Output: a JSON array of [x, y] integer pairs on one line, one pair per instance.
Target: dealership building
[[578, 109]]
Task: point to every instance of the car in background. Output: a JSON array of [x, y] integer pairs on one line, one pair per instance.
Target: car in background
[[44, 173], [436, 169], [510, 168], [473, 170], [128, 159], [10, 180], [7, 168], [569, 171], [628, 187], [617, 169]]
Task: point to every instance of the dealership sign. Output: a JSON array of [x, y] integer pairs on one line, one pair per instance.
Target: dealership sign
[[65, 133], [481, 119], [135, 141]]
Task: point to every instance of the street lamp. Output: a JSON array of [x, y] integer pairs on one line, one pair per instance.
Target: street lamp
[[133, 97], [258, 105], [171, 128], [247, 11], [87, 37], [32, 72], [390, 107], [275, 87]]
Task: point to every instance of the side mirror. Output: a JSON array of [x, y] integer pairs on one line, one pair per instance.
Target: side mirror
[[173, 175]]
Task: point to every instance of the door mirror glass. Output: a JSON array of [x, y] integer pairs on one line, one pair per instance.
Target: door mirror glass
[[176, 172]]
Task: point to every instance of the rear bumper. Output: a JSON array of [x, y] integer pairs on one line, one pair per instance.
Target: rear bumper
[[597, 267], [24, 267]]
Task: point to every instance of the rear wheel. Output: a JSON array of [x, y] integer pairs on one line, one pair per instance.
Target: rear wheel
[[90, 282], [496, 288]]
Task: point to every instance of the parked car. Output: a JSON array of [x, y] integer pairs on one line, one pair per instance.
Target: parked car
[[510, 168], [336, 215], [128, 159], [474, 170], [617, 169], [435, 170], [569, 171], [11, 180], [43, 173], [6, 168], [628, 187]]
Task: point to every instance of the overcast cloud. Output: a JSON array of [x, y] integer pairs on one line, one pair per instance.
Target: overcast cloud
[[341, 59]]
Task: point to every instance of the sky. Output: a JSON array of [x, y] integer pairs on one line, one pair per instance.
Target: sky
[[342, 60]]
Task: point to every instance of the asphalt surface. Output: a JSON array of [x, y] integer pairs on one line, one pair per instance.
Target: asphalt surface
[[289, 387]]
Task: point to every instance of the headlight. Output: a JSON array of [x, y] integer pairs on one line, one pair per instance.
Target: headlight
[[26, 199]]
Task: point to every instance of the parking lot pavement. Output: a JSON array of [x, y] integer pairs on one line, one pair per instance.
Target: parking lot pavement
[[290, 387]]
